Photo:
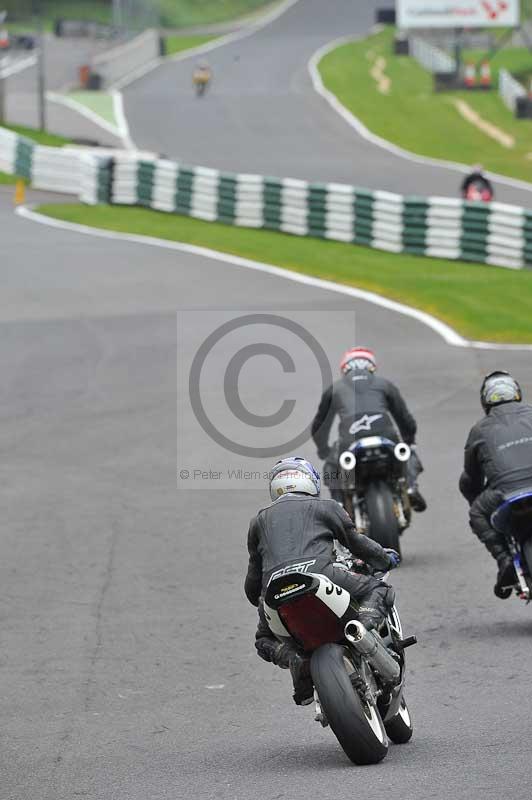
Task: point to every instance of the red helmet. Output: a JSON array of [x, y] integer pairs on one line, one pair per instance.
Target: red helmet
[[358, 358]]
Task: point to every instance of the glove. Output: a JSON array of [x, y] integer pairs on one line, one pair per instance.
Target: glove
[[393, 556], [323, 452], [275, 652]]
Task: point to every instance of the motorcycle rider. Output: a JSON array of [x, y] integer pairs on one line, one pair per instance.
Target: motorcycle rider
[[497, 462], [476, 176], [202, 75], [367, 405], [297, 531]]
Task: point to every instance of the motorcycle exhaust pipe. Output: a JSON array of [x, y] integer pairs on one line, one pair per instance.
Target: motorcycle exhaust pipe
[[402, 451], [372, 649], [347, 461]]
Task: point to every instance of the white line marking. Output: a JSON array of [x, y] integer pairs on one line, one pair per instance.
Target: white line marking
[[365, 133], [121, 119], [79, 108], [18, 66], [248, 30], [447, 333]]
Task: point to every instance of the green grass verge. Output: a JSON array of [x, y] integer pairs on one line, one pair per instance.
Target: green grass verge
[[166, 13], [182, 13], [101, 103], [481, 302], [40, 137], [49, 139], [176, 44], [415, 118]]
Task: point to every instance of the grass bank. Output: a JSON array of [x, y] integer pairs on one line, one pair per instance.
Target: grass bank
[[40, 137], [415, 118], [463, 295], [167, 13], [176, 44]]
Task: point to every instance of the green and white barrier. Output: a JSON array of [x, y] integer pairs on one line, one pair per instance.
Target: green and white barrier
[[439, 227]]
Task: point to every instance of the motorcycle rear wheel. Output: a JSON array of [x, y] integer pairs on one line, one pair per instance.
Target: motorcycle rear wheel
[[383, 523], [400, 727], [356, 724]]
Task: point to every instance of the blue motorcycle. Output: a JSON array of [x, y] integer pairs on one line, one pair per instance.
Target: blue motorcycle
[[513, 519]]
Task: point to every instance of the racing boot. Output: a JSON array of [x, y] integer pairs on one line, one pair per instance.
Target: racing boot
[[506, 577], [286, 655], [417, 501], [303, 686]]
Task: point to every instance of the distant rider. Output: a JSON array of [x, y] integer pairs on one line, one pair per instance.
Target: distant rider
[[298, 528], [202, 76], [476, 178], [497, 462], [367, 405]]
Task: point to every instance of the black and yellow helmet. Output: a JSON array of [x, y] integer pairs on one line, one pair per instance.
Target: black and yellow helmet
[[497, 388]]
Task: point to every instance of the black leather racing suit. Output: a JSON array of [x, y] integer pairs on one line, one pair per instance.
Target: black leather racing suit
[[367, 405], [298, 529], [497, 462]]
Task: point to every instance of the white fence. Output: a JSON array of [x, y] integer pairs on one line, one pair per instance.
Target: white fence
[[430, 56], [510, 89]]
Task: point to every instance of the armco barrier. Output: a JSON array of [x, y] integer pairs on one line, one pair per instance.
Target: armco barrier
[[440, 227], [113, 65]]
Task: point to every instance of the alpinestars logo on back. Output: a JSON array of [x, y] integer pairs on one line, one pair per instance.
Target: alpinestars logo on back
[[364, 423]]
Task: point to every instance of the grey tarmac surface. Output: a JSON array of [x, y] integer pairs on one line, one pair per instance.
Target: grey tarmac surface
[[122, 595], [262, 114]]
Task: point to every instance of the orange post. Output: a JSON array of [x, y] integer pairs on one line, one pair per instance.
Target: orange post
[[470, 75], [485, 74], [84, 75]]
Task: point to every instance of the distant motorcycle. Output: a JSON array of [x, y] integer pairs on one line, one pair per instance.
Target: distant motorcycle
[[201, 79], [358, 675], [374, 483], [513, 519]]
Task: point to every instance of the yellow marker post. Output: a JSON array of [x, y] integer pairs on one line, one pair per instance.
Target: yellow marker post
[[20, 192]]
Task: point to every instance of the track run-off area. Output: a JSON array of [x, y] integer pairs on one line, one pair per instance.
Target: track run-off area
[[127, 666]]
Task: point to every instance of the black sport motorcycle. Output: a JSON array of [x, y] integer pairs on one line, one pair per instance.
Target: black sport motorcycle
[[513, 519], [374, 483], [358, 675]]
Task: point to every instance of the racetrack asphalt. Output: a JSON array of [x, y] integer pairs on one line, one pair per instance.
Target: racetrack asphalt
[[262, 114], [122, 598]]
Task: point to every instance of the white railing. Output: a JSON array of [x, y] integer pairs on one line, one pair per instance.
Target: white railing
[[510, 89], [430, 56]]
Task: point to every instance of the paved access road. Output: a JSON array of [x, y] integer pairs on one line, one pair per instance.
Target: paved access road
[[63, 57], [262, 114]]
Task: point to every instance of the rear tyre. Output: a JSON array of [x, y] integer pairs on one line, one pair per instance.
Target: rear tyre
[[383, 523], [356, 724], [526, 549], [400, 728]]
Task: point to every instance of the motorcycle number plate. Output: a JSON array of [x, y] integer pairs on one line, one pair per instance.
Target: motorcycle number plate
[[370, 441]]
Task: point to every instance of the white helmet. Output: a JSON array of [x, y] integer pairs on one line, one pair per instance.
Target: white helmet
[[294, 475]]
